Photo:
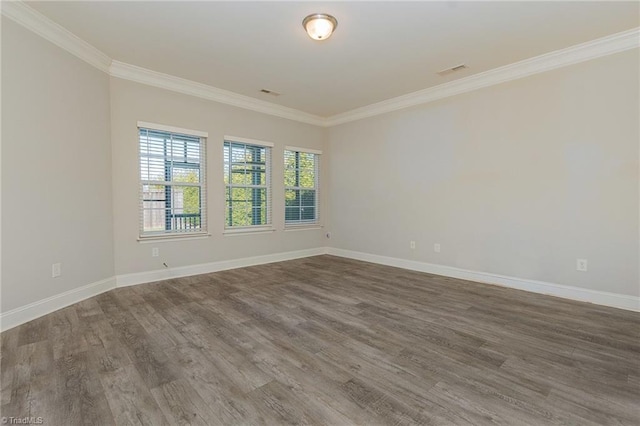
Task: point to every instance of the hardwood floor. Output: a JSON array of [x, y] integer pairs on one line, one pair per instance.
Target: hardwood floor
[[324, 340]]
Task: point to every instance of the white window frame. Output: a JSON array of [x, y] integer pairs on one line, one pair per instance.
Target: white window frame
[[174, 233], [299, 224], [268, 226]]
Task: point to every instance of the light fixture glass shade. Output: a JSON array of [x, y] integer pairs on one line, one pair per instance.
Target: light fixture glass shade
[[319, 26]]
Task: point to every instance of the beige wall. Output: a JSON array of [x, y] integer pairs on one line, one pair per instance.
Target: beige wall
[[56, 170], [133, 102], [518, 179]]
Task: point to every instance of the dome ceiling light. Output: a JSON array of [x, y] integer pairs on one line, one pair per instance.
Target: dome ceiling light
[[319, 26]]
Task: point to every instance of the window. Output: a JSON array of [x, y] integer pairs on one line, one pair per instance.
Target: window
[[247, 176], [301, 186], [172, 181]]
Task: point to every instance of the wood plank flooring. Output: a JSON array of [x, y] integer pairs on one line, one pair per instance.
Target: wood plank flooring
[[324, 341]]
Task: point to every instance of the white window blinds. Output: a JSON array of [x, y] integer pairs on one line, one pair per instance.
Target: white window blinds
[[247, 177], [301, 186], [172, 182]]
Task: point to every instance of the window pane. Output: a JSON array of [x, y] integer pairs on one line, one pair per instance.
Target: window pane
[[239, 175], [227, 165], [307, 198], [300, 175], [300, 169], [307, 213], [245, 168], [246, 206], [292, 197], [238, 216], [171, 209], [292, 214], [168, 157], [258, 175], [307, 178], [180, 174], [152, 168], [186, 200], [290, 177], [154, 207]]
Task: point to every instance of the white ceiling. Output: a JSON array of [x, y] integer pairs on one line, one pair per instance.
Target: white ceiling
[[380, 49]]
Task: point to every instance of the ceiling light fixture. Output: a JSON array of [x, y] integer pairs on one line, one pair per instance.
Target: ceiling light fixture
[[319, 26]]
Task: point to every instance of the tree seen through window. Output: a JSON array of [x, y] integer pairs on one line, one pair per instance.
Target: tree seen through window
[[300, 180]]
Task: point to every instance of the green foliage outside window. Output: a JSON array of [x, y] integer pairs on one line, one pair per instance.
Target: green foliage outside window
[[246, 180], [190, 194], [300, 170]]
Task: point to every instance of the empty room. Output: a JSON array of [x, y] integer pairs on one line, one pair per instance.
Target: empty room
[[327, 213]]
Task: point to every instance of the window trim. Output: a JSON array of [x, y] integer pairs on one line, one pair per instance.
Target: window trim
[[316, 224], [299, 149], [228, 138], [172, 129], [183, 235], [250, 229], [245, 230]]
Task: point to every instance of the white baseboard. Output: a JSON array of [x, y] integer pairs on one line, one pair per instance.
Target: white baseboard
[[37, 309], [615, 300], [42, 307], [205, 268]]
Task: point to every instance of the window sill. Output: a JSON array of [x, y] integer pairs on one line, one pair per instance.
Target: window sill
[[172, 237], [302, 227], [247, 231]]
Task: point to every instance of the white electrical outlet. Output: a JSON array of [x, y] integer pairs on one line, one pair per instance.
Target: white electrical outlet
[[412, 244], [56, 270], [436, 248], [581, 265], [155, 252]]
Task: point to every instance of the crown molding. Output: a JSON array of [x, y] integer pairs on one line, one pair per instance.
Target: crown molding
[[29, 18], [176, 84], [32, 20], [604, 46]]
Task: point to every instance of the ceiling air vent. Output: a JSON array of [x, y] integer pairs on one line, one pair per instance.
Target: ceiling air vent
[[452, 70], [269, 92]]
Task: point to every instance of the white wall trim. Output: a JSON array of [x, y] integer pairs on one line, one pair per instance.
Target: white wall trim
[[26, 16], [300, 149], [23, 314], [622, 301], [32, 20], [604, 46], [229, 138], [205, 268], [176, 84], [173, 129], [42, 307]]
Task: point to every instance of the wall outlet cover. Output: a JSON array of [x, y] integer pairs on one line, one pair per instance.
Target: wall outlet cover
[[581, 265], [56, 270]]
